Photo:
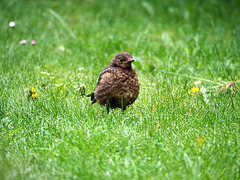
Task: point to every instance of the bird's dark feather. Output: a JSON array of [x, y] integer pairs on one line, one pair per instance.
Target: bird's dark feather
[[118, 84]]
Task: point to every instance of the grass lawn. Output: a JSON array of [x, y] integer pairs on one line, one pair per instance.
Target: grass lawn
[[185, 123]]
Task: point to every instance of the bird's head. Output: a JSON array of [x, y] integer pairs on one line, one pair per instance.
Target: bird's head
[[123, 60]]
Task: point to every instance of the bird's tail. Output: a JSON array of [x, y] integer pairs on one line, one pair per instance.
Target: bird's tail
[[92, 97]]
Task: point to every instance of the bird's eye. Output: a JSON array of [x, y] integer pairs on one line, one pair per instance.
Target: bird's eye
[[121, 60]]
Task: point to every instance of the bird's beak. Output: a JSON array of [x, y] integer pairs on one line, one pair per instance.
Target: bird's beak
[[131, 60]]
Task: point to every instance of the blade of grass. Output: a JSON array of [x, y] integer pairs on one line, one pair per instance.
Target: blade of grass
[[221, 60], [193, 77], [62, 21]]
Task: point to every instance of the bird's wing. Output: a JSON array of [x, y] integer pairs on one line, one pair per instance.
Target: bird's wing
[[107, 85], [108, 77], [106, 80]]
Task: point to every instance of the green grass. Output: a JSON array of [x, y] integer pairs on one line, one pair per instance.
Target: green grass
[[165, 134]]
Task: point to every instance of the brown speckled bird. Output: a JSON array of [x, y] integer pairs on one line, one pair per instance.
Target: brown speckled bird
[[118, 84]]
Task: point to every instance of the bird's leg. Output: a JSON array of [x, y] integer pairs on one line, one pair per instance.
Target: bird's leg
[[108, 106], [123, 108], [122, 101]]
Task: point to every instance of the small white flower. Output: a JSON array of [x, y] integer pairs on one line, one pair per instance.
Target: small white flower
[[23, 41], [12, 24]]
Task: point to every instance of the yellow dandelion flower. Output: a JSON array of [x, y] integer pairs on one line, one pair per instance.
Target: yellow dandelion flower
[[34, 96], [190, 92], [194, 90], [33, 90]]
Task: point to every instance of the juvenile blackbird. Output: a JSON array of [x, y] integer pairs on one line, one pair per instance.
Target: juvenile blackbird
[[118, 84]]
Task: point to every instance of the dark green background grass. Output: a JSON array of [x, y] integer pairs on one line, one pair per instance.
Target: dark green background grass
[[60, 136]]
